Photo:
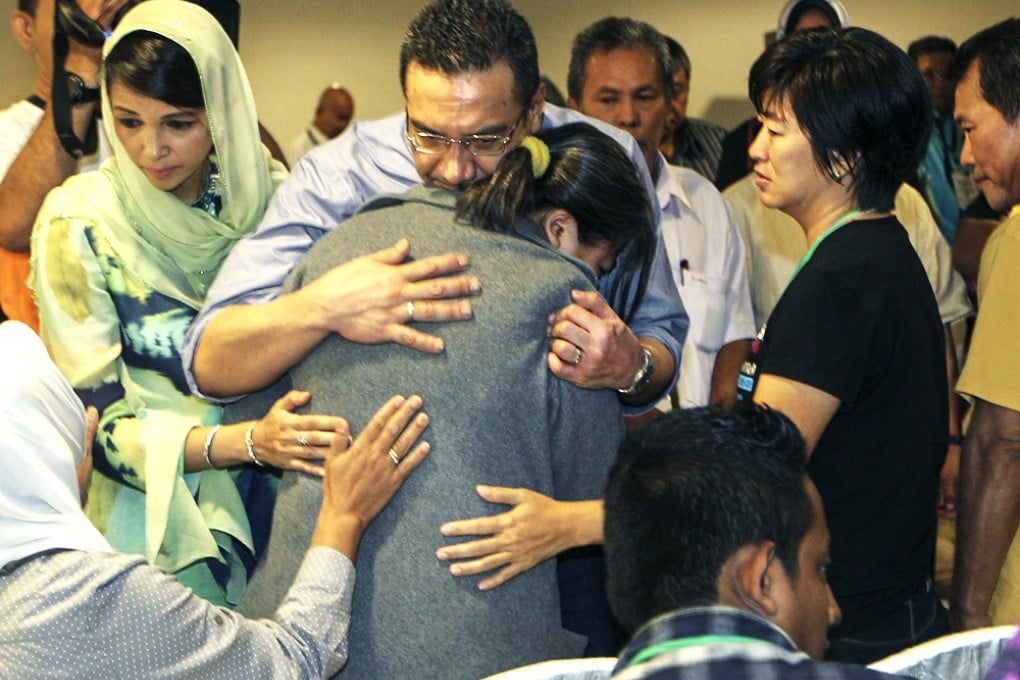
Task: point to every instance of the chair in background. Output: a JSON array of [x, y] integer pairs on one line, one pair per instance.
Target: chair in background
[[950, 657], [592, 668]]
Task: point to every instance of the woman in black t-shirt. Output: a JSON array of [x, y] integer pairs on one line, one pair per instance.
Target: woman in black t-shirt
[[853, 352]]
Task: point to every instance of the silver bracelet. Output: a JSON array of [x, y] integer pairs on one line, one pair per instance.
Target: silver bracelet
[[208, 446], [251, 445]]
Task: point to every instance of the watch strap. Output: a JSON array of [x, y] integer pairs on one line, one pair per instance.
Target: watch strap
[[60, 101], [642, 377]]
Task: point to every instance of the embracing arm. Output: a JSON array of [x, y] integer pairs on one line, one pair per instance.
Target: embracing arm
[[246, 347], [988, 511]]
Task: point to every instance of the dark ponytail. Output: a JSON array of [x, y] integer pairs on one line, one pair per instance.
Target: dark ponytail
[[591, 177]]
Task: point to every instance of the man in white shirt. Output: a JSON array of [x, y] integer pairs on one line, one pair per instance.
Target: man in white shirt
[[620, 72]]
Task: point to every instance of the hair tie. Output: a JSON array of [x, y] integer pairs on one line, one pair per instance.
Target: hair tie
[[539, 151]]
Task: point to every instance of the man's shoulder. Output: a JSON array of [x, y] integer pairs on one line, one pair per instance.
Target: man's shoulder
[[697, 127], [557, 116], [1005, 239], [744, 646]]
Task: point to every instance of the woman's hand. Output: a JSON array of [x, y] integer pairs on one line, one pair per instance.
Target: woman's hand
[[289, 441], [361, 479], [85, 467], [533, 530]]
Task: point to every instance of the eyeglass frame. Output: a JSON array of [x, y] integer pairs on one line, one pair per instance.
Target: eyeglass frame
[[413, 135]]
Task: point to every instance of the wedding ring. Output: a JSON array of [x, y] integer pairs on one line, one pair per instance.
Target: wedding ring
[[410, 311], [395, 457], [580, 355], [303, 439]]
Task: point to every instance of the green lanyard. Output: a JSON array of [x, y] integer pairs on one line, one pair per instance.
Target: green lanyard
[[682, 643], [847, 217]]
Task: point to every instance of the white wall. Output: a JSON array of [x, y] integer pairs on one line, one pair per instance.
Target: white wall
[[293, 48]]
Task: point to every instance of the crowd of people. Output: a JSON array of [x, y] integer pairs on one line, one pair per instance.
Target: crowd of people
[[708, 402]]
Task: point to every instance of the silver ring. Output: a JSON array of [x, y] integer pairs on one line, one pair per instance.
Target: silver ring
[[580, 355], [410, 311], [302, 439], [395, 457]]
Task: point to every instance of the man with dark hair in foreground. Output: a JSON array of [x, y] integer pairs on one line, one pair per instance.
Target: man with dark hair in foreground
[[716, 549]]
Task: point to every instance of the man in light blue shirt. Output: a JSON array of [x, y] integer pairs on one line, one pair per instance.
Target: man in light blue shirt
[[469, 107]]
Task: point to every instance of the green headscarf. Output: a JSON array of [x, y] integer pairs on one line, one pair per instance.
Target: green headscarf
[[174, 245]]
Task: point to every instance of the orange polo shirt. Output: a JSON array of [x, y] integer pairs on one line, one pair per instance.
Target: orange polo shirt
[[16, 298]]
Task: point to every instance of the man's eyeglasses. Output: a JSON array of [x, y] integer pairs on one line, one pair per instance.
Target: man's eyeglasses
[[477, 145]]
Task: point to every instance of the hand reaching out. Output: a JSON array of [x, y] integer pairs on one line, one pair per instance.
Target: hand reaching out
[[534, 529]]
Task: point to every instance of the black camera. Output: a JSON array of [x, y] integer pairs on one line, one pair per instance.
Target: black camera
[[79, 27]]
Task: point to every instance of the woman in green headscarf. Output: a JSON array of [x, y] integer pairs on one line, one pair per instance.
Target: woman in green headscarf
[[122, 259]]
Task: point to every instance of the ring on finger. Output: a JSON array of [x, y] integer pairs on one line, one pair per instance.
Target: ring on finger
[[303, 439], [580, 355], [394, 456], [410, 311]]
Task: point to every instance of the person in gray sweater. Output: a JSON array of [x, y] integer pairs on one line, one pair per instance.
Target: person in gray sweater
[[498, 416]]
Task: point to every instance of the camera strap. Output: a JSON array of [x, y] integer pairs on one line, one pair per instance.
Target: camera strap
[[62, 106]]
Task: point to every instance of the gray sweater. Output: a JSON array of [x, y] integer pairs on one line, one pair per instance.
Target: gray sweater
[[498, 416]]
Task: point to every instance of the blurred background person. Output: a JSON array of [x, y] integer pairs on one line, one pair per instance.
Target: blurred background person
[[688, 142], [797, 15], [333, 114], [945, 183]]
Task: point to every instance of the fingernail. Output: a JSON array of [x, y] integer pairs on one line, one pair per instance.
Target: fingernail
[[441, 554], [455, 569]]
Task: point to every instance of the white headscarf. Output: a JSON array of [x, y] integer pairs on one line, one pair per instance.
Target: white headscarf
[[43, 430]]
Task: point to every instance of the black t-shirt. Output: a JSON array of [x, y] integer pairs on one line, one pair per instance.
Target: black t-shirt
[[860, 322]]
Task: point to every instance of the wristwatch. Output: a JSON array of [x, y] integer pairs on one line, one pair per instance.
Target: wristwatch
[[78, 92], [642, 377]]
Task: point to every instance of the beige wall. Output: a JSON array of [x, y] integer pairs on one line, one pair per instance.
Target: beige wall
[[293, 48]]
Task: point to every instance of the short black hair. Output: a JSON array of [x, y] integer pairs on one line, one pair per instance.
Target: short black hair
[[859, 99], [929, 44], [614, 33], [996, 50], [28, 6], [460, 36], [678, 55], [155, 66], [687, 490]]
